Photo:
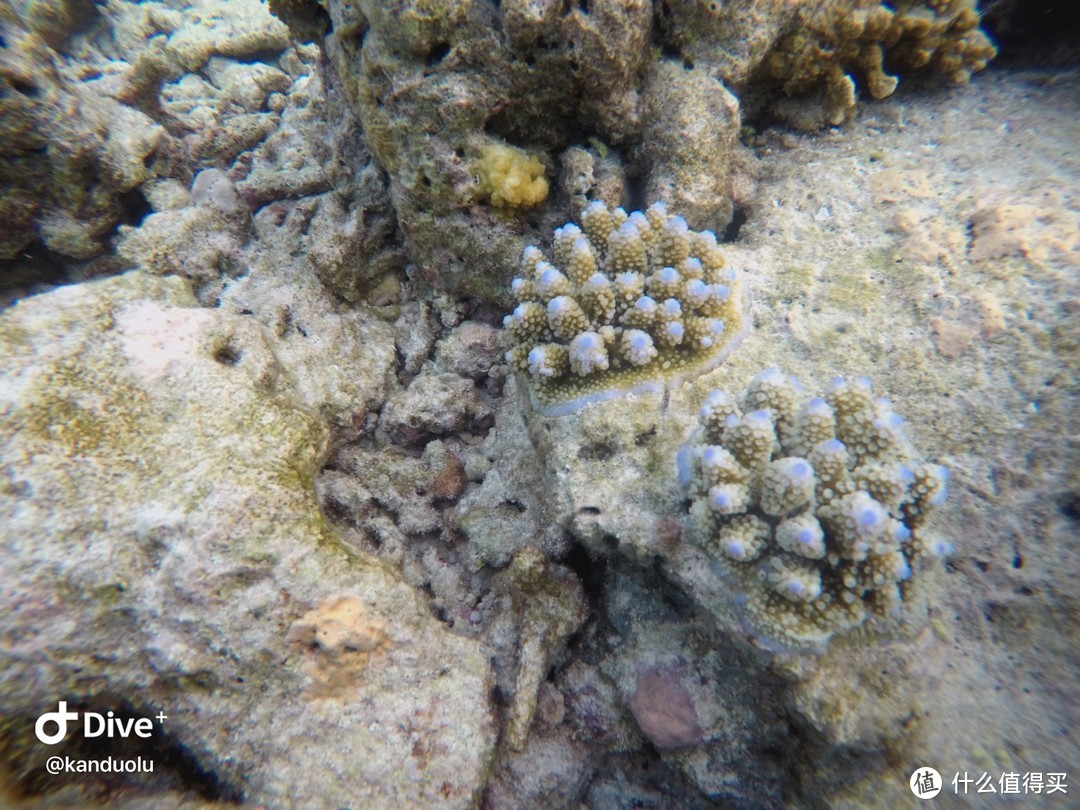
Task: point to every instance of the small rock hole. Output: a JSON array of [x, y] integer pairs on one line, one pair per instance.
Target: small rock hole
[[738, 219], [228, 355]]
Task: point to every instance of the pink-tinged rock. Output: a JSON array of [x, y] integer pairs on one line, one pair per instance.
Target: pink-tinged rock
[[664, 709]]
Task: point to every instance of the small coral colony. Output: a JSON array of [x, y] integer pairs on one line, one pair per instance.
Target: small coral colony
[[815, 510], [629, 303]]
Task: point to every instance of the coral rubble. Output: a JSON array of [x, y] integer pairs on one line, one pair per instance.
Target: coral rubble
[[632, 302], [816, 510]]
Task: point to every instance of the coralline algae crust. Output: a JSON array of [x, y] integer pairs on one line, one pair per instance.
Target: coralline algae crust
[[630, 303]]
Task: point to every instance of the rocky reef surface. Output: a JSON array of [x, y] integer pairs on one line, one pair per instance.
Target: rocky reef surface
[[272, 476]]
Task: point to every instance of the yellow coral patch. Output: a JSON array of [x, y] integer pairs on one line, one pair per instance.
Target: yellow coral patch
[[510, 177]]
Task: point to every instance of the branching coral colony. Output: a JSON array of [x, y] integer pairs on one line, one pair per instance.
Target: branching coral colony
[[629, 303], [816, 510]]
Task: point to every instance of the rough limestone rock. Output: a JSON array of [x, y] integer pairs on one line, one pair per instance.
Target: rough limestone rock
[[164, 551], [68, 154]]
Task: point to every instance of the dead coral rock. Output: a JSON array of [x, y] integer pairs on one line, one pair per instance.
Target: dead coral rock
[[318, 158], [991, 314], [593, 708], [549, 604], [58, 20], [511, 506], [1032, 231], [434, 404], [664, 709], [82, 132], [552, 770], [524, 73], [165, 479], [396, 481], [469, 350], [1002, 230], [237, 29], [732, 38], [593, 173], [692, 131], [900, 185], [951, 337], [69, 153], [929, 239], [863, 697], [449, 481], [199, 242]]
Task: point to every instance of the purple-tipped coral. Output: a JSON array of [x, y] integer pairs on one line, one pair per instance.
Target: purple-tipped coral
[[628, 303], [816, 509]]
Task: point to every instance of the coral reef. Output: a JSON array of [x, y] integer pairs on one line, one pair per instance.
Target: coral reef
[[631, 303], [97, 105], [816, 511], [435, 82], [68, 154], [663, 90], [688, 142], [550, 604], [307, 170], [838, 47]]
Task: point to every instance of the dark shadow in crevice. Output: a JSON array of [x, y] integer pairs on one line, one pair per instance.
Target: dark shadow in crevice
[[176, 767]]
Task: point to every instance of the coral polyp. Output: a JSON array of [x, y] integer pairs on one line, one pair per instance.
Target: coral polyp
[[628, 303]]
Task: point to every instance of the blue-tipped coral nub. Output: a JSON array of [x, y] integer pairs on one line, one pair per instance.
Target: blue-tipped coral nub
[[736, 548], [826, 541], [720, 499], [892, 421], [728, 499], [942, 548], [800, 471], [645, 304], [870, 518]]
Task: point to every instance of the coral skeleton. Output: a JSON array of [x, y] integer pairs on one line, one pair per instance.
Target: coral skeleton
[[630, 303], [816, 511]]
